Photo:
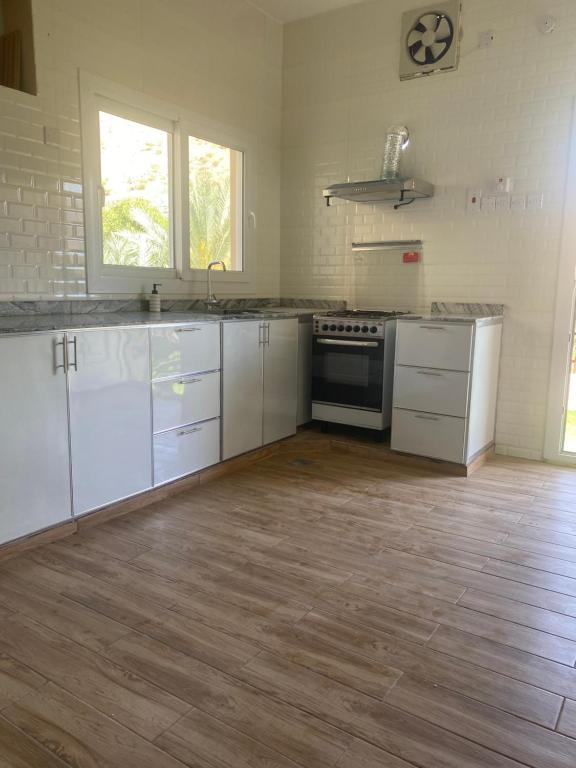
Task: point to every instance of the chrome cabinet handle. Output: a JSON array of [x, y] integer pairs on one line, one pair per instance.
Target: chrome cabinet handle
[[432, 328], [64, 364], [347, 343], [190, 381], [427, 418], [267, 333], [261, 328], [189, 431], [74, 363], [188, 330], [429, 373]]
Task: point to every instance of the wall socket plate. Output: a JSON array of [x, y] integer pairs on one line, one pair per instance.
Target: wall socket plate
[[503, 203], [518, 202], [51, 135], [535, 201], [486, 39], [489, 203]]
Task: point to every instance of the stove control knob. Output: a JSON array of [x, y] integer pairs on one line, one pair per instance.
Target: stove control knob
[[332, 327], [324, 327], [340, 328], [365, 329], [348, 328], [356, 328], [373, 329]]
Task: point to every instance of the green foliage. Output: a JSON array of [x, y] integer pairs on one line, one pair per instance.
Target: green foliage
[[135, 233], [210, 232]]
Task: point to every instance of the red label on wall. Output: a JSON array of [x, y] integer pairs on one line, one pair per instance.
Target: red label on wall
[[411, 257]]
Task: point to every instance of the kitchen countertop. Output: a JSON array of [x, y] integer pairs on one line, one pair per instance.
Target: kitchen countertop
[[453, 318], [32, 323]]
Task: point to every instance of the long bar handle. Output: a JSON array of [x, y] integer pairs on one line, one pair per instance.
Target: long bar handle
[[74, 363], [432, 327], [188, 330], [190, 381], [192, 431], [427, 418], [428, 373], [64, 364], [347, 343]]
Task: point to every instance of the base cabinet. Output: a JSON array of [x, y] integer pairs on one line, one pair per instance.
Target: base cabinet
[[34, 451], [180, 452], [110, 416], [260, 384]]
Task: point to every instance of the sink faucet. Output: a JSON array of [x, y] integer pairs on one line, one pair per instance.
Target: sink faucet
[[211, 298]]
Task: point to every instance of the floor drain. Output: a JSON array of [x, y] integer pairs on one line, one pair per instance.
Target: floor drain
[[302, 463]]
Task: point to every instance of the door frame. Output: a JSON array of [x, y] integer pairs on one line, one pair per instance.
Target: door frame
[[564, 319]]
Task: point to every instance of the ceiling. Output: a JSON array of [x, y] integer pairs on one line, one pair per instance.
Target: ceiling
[[290, 10]]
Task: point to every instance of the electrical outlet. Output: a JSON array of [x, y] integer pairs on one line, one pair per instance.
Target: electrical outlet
[[518, 202], [51, 135], [474, 200], [489, 203]]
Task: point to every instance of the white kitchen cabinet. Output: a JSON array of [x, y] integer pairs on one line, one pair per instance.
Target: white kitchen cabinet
[[110, 415], [445, 387], [189, 348], [34, 450], [182, 451], [305, 336], [242, 387], [186, 385], [260, 383], [185, 400]]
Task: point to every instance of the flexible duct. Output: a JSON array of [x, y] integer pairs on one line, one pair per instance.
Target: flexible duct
[[396, 140]]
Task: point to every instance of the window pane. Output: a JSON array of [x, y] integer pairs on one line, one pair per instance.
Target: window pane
[[215, 186], [135, 176]]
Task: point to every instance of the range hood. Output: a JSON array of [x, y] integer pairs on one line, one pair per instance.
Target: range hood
[[399, 191]]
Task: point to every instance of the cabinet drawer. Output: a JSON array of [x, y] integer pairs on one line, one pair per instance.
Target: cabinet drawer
[[434, 345], [183, 451], [424, 434], [185, 400], [185, 349], [430, 390]]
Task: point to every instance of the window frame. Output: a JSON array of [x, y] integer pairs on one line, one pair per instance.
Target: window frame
[[98, 94]]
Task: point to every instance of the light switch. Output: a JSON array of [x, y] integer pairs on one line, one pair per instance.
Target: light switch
[[51, 135]]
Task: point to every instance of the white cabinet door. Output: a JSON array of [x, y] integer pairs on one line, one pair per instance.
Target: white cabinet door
[[110, 416], [34, 451], [280, 379], [242, 387], [186, 400], [185, 349], [431, 390], [182, 451], [434, 345], [304, 373]]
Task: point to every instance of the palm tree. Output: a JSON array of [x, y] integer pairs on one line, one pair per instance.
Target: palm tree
[[210, 231], [135, 234]]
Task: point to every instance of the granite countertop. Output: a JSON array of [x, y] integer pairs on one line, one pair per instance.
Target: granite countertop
[[38, 323], [453, 318]]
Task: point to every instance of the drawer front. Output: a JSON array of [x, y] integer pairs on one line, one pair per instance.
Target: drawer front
[[186, 450], [424, 434], [185, 349], [430, 390], [434, 345], [185, 400]]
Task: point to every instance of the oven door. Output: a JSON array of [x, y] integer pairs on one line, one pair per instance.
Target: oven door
[[348, 372]]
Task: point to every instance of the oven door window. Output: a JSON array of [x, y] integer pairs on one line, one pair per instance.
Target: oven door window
[[348, 372]]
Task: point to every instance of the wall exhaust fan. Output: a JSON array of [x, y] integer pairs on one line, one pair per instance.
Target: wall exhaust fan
[[430, 40]]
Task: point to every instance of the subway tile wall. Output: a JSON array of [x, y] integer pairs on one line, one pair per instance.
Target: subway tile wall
[[41, 206], [221, 59], [506, 112]]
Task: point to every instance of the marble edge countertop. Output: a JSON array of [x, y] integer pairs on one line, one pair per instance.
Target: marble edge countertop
[[32, 323], [460, 312]]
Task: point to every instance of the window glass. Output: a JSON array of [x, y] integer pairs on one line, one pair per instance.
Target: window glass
[[215, 195], [135, 178]]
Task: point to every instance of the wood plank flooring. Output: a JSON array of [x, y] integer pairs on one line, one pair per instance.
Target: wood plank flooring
[[323, 608]]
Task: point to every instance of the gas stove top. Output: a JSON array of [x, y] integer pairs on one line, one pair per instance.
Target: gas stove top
[[354, 323]]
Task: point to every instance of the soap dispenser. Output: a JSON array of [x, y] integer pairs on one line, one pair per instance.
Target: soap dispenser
[[154, 300]]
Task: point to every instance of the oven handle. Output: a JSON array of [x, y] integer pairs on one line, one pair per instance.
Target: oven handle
[[347, 343]]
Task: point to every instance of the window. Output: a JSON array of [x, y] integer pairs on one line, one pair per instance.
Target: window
[[135, 188], [165, 194], [215, 190]]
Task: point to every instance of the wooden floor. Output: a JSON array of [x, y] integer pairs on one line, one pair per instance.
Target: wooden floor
[[321, 608]]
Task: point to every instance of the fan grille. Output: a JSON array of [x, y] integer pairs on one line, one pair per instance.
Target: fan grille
[[430, 38]]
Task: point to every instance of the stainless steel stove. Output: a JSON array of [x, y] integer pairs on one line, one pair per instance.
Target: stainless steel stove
[[353, 367]]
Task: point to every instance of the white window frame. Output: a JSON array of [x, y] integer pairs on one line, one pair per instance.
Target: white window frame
[[564, 320], [98, 94]]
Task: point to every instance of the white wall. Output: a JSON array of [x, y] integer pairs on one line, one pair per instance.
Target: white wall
[[506, 111], [220, 58]]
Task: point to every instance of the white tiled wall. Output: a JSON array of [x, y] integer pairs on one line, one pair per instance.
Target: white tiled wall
[[507, 111], [220, 58]]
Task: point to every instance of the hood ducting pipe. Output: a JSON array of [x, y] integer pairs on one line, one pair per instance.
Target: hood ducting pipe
[[397, 140]]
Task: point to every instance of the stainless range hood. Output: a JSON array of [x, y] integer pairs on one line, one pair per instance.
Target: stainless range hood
[[399, 191]]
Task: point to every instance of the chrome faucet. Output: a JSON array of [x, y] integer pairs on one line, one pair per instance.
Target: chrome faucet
[[211, 299]]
